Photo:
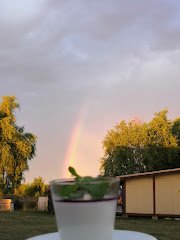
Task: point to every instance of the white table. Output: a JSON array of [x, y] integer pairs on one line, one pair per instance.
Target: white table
[[117, 235]]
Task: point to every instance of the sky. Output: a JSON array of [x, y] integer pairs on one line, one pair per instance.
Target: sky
[[79, 67]]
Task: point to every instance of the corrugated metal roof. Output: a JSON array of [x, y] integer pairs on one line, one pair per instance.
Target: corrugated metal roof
[[149, 173]]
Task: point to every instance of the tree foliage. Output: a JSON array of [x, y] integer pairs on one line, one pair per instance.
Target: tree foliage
[[16, 146], [133, 147], [176, 129], [35, 189]]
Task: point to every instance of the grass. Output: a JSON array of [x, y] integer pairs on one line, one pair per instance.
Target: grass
[[162, 229], [20, 225]]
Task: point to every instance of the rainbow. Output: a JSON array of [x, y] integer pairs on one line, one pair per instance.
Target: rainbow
[[72, 149]]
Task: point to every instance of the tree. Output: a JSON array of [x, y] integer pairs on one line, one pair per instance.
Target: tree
[[39, 186], [176, 129], [123, 147], [135, 147], [17, 147], [161, 151]]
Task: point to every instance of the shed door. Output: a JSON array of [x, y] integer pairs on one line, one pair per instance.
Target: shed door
[[168, 194], [139, 195]]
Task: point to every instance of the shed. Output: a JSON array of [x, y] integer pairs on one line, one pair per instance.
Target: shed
[[152, 193]]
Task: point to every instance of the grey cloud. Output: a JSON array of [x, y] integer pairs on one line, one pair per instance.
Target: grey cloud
[[36, 50], [84, 46]]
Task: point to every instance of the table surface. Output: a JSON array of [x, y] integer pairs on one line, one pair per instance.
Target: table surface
[[117, 235]]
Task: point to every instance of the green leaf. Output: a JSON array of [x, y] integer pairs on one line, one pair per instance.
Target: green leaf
[[67, 190], [73, 172], [97, 190]]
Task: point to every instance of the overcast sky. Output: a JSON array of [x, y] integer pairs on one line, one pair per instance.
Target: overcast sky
[[79, 67]]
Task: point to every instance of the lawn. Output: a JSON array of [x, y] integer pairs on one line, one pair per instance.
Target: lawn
[[21, 225]]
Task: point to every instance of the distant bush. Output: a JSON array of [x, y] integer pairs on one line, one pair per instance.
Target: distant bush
[[35, 189]]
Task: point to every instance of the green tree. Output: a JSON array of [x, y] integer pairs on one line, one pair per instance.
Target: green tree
[[161, 151], [39, 186], [123, 147], [138, 147], [176, 129], [16, 146]]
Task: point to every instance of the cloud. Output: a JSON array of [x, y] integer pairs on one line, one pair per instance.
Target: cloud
[[19, 11], [56, 36], [78, 51]]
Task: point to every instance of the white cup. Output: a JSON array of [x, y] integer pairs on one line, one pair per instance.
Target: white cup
[[82, 216]]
